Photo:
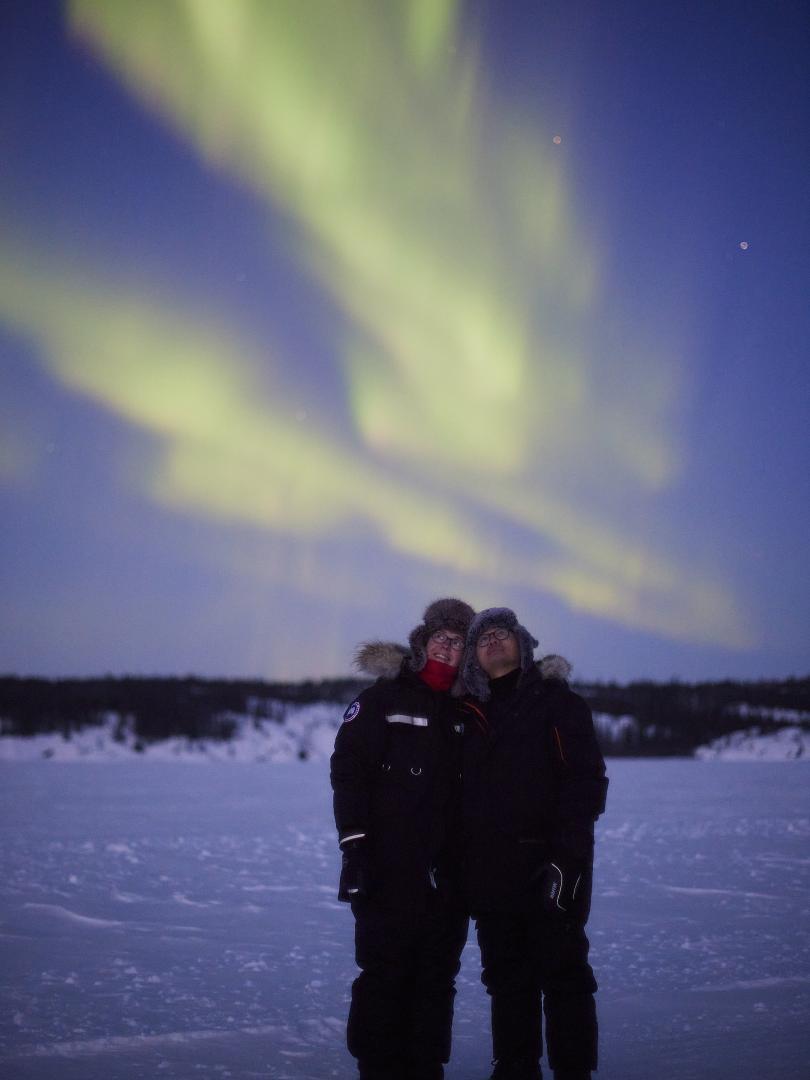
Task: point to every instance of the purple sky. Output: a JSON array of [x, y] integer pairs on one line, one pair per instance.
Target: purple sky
[[307, 319]]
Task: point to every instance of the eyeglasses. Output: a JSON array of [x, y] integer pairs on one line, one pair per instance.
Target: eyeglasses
[[501, 634], [455, 643]]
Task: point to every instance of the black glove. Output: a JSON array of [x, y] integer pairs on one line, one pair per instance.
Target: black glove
[[565, 887], [355, 876]]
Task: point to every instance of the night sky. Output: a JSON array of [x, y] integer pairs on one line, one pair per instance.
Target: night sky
[[314, 310]]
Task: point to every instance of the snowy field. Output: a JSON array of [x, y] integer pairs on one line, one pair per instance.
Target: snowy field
[[160, 920]]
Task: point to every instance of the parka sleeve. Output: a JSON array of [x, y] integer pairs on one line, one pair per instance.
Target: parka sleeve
[[355, 764], [579, 768]]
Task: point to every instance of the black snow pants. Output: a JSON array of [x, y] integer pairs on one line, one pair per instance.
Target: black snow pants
[[529, 958], [402, 1001]]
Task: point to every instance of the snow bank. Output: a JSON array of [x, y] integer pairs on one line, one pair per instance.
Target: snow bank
[[307, 733], [787, 744], [763, 713], [302, 732], [616, 729]]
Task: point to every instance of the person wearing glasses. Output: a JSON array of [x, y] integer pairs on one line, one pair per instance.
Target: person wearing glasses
[[395, 778], [533, 782]]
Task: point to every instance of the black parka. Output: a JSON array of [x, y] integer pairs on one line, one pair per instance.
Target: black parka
[[395, 778], [532, 787]]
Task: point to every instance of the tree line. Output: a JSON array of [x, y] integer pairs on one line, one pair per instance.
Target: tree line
[[650, 718], [674, 718]]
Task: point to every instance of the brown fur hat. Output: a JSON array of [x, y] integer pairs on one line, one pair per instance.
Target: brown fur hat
[[444, 614]]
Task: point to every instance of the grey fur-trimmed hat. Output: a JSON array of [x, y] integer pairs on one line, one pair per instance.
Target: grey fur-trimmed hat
[[473, 676], [445, 614]]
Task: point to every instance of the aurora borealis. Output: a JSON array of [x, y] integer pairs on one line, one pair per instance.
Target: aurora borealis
[[310, 312]]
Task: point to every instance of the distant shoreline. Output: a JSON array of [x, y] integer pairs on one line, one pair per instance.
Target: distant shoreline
[[135, 714]]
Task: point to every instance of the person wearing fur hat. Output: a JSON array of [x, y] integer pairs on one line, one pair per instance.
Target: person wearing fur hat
[[395, 778], [534, 782]]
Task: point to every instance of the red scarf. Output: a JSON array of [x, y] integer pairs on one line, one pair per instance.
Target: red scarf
[[437, 675]]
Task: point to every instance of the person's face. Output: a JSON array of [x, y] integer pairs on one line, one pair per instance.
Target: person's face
[[498, 651], [446, 646]]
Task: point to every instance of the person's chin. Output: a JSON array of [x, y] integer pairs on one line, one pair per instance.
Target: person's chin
[[500, 667], [442, 660]]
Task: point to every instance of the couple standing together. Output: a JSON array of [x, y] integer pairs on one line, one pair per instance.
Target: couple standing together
[[466, 781]]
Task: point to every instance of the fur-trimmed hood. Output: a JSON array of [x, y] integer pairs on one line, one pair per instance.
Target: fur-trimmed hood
[[382, 659], [387, 659], [554, 667]]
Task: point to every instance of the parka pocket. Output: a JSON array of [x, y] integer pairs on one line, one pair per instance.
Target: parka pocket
[[401, 787]]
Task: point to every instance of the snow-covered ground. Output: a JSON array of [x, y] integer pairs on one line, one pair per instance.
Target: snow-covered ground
[[164, 921]]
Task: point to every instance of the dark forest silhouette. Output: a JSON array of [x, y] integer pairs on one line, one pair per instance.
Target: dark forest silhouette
[[664, 718]]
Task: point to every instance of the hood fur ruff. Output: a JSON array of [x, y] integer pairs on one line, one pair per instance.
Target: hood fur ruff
[[555, 667], [386, 659], [382, 659]]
